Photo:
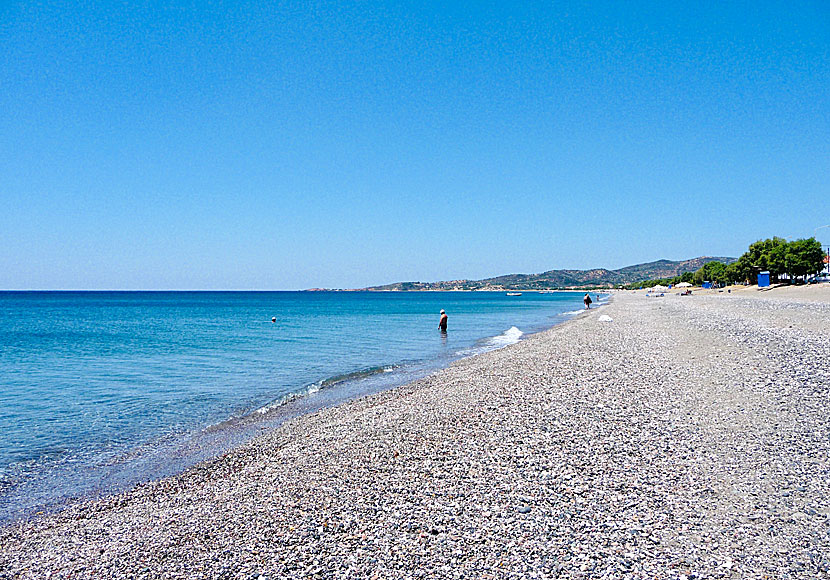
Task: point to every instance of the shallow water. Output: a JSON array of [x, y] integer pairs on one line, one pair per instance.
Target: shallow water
[[101, 390]]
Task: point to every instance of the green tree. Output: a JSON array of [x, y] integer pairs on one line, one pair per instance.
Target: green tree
[[803, 257], [738, 271], [744, 269], [770, 255], [733, 274], [715, 271], [777, 259], [710, 272]]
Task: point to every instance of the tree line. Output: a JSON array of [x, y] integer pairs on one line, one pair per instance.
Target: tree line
[[673, 280], [794, 260]]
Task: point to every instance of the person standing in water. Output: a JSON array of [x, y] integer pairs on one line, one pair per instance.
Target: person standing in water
[[587, 300], [442, 324]]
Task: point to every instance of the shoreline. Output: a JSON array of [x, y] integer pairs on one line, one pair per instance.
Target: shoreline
[[169, 457], [681, 438]]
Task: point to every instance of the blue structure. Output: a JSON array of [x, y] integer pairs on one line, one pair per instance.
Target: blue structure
[[706, 285], [763, 279]]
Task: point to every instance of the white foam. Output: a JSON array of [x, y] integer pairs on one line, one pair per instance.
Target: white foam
[[285, 399], [509, 336]]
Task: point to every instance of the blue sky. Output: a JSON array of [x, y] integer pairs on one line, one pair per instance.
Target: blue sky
[[261, 145]]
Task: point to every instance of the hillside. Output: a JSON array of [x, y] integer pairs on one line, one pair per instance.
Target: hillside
[[553, 279]]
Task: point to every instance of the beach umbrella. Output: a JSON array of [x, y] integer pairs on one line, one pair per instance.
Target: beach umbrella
[[683, 285]]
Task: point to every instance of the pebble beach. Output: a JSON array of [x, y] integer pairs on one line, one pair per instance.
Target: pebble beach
[[687, 437]]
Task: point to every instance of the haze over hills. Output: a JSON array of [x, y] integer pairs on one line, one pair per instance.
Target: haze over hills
[[554, 279]]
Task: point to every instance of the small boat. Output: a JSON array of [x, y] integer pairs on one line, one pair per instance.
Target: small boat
[[514, 293]]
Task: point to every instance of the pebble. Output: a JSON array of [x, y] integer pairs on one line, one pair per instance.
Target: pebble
[[660, 447]]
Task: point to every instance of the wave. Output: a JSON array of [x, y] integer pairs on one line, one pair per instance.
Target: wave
[[325, 384], [509, 336], [361, 374]]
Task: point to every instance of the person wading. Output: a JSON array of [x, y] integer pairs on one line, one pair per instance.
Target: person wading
[[587, 300], [442, 324]]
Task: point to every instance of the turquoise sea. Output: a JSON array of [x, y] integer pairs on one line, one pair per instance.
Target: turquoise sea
[[102, 390]]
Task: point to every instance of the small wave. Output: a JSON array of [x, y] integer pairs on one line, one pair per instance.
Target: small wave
[[325, 384], [356, 375], [506, 338], [510, 336]]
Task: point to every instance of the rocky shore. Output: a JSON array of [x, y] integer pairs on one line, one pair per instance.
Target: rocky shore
[[686, 438]]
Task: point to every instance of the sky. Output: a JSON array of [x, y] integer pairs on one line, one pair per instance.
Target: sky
[[281, 145]]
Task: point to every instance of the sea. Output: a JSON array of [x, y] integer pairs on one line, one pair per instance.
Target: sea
[[100, 391]]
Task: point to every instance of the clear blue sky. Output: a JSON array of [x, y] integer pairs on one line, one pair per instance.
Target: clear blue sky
[[261, 145]]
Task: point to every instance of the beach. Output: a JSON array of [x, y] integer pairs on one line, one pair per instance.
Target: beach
[[685, 438]]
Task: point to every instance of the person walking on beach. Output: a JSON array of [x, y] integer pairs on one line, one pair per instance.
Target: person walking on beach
[[442, 324], [587, 300]]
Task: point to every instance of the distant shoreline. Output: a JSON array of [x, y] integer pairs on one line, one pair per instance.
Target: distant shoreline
[[595, 278], [528, 290]]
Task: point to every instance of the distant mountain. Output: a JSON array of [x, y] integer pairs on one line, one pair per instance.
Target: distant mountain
[[563, 278]]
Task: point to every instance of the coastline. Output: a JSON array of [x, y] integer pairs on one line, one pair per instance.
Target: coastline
[[659, 444], [171, 454]]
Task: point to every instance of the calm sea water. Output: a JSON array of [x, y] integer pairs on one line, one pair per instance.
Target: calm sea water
[[101, 390]]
